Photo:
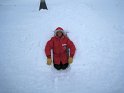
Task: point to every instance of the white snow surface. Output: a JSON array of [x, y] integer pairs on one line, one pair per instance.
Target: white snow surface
[[95, 26]]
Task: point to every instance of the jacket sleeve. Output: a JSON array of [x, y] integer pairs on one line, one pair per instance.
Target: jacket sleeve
[[72, 48], [48, 47]]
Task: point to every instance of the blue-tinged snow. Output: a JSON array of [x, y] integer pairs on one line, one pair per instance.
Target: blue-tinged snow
[[95, 26]]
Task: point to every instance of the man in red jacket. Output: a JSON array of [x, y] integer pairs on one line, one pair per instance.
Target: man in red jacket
[[62, 48]]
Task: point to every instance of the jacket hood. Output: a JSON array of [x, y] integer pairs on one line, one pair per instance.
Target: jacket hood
[[59, 29]]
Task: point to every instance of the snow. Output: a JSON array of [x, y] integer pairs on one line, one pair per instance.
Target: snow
[[96, 28]]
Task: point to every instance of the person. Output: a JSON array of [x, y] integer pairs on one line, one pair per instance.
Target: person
[[63, 50]]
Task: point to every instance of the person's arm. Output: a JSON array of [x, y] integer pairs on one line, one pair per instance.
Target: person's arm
[[72, 48], [48, 47]]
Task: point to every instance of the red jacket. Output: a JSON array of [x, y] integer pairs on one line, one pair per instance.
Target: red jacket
[[59, 47]]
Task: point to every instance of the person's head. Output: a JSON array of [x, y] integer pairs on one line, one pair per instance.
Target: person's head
[[59, 32]]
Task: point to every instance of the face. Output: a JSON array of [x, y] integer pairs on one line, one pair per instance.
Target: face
[[59, 34]]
